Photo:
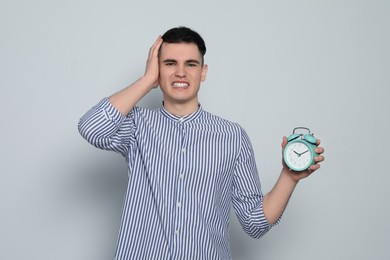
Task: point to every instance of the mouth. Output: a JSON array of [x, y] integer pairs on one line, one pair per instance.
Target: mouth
[[180, 84]]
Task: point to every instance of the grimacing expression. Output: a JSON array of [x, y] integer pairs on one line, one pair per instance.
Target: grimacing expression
[[181, 72]]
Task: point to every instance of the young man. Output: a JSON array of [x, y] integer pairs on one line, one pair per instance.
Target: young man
[[186, 167]]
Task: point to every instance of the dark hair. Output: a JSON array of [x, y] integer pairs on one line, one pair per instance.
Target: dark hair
[[185, 35]]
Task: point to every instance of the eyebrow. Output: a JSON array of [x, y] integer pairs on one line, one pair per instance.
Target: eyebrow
[[175, 61]]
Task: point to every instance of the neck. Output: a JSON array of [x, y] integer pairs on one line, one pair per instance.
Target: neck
[[178, 109]]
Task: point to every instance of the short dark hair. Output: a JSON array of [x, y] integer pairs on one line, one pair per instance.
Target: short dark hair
[[185, 35]]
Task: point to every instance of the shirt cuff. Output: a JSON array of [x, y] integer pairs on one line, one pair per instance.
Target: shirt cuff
[[110, 112]]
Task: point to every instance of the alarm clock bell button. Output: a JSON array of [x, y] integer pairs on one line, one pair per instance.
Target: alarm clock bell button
[[310, 138], [293, 137]]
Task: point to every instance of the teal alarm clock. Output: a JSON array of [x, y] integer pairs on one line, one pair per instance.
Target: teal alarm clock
[[299, 152]]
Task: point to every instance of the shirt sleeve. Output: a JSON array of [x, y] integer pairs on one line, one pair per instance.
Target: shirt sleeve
[[247, 195], [106, 128]]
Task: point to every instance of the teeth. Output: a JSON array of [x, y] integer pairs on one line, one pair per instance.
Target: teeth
[[180, 85]]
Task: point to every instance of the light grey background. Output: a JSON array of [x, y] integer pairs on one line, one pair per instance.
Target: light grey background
[[61, 198]]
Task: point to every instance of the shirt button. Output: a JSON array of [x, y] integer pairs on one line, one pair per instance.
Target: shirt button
[[177, 232], [183, 150], [182, 176], [178, 204]]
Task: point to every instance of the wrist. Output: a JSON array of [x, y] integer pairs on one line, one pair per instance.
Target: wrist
[[148, 82], [290, 175]]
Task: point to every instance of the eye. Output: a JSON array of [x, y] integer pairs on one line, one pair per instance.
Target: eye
[[192, 64]]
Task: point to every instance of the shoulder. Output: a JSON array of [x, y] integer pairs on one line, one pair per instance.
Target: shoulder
[[213, 117], [138, 112], [219, 122]]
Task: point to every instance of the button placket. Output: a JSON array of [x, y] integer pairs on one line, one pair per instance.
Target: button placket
[[180, 182]]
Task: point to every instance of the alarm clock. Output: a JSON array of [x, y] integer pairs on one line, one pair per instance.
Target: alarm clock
[[299, 152]]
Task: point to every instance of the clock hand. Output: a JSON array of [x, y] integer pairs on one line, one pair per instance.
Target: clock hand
[[303, 152], [297, 153]]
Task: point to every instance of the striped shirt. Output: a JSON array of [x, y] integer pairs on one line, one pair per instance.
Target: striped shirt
[[185, 174]]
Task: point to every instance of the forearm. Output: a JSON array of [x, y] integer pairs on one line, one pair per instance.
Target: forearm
[[127, 98], [275, 201]]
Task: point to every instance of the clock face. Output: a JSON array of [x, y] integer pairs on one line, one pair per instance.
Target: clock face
[[298, 156]]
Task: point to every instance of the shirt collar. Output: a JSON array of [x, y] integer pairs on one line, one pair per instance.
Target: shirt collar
[[182, 119]]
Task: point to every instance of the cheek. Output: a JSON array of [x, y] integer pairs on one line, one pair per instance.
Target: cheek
[[162, 78], [164, 74]]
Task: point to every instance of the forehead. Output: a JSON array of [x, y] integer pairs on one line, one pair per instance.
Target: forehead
[[180, 51]]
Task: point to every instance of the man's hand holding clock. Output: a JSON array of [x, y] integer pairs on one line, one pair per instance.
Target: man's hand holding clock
[[301, 154], [301, 157]]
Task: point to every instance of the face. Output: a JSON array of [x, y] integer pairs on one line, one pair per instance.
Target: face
[[298, 156], [181, 73]]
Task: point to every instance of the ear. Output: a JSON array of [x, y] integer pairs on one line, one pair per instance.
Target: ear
[[204, 72]]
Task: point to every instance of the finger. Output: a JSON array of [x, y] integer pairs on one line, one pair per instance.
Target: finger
[[319, 158], [314, 167], [153, 51], [152, 62], [319, 150]]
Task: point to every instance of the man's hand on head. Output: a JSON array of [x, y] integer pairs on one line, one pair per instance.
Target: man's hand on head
[[152, 67]]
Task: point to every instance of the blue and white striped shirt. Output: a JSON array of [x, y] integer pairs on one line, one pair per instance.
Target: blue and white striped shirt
[[184, 173]]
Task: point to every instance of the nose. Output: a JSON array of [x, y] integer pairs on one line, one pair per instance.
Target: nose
[[180, 71]]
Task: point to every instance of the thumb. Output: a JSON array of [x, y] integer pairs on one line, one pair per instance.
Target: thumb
[[284, 142]]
